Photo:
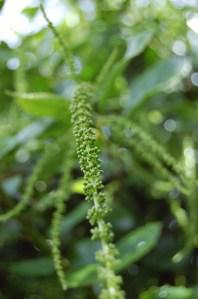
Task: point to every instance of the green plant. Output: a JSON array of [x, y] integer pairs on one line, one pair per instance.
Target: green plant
[[88, 152], [16, 210], [135, 164], [61, 195], [131, 135]]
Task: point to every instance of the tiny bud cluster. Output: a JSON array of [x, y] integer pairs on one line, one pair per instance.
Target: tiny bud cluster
[[62, 195], [88, 155]]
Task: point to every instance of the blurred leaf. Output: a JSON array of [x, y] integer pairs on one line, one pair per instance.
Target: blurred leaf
[[5, 55], [165, 74], [9, 232], [34, 267], [84, 253], [43, 104], [30, 132], [11, 185], [136, 45], [44, 267], [82, 277], [138, 243], [74, 217], [121, 218], [132, 247], [30, 11], [105, 87], [169, 292], [78, 187], [2, 2]]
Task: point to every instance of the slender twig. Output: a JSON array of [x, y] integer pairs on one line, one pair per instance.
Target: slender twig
[[66, 50]]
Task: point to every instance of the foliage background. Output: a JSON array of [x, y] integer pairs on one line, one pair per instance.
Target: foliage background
[[153, 81]]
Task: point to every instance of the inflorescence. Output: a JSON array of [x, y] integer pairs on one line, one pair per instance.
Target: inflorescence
[[88, 155], [62, 195]]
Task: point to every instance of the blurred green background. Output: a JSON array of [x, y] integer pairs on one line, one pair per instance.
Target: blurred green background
[[152, 78]]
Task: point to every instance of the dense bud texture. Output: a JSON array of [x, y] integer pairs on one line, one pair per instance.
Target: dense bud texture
[[88, 155]]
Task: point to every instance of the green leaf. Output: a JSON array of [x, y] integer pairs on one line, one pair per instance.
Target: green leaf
[[78, 186], [135, 46], [84, 252], [132, 248], [74, 217], [82, 277], [2, 2], [163, 75], [9, 233], [30, 11], [43, 104], [138, 43], [137, 244], [34, 267], [169, 292], [31, 131], [11, 185], [105, 87]]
